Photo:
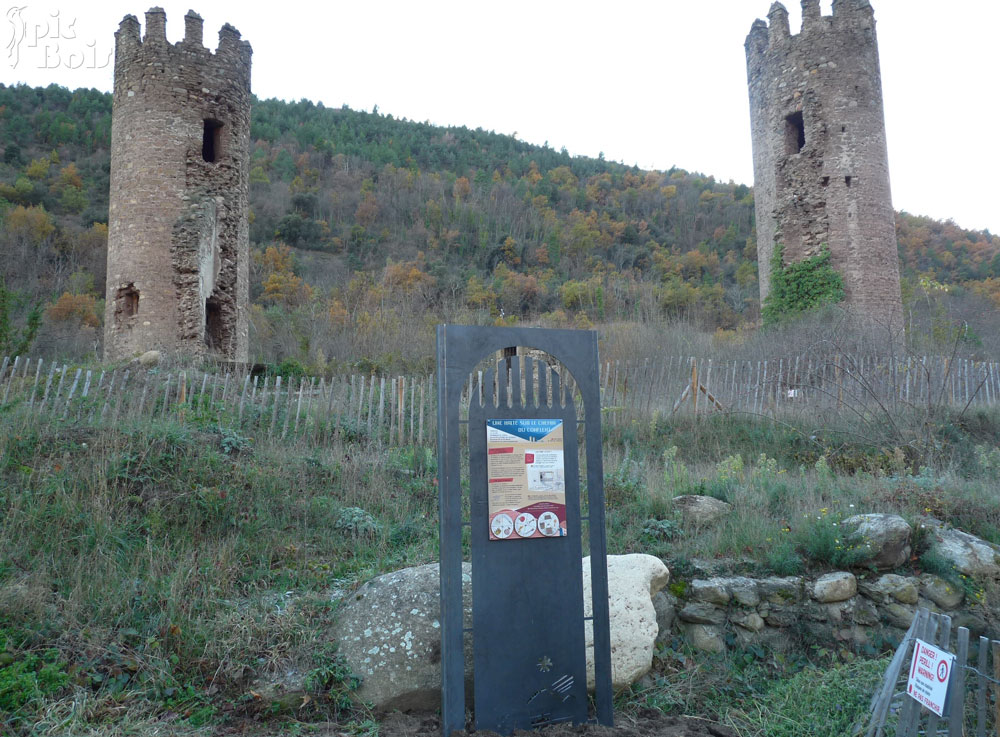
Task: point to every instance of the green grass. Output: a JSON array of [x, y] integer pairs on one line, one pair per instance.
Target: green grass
[[760, 694], [816, 701], [151, 562]]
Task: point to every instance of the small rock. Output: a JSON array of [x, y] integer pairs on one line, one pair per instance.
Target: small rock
[[781, 616], [748, 621], [781, 590], [839, 611], [887, 535], [836, 586], [711, 591], [898, 615], [856, 635], [974, 623], [864, 613], [705, 637], [744, 591], [903, 589], [815, 612], [945, 595], [701, 613], [871, 590], [646, 682], [665, 606], [701, 510], [927, 604], [149, 359]]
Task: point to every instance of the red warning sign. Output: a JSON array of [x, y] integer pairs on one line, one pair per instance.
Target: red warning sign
[[930, 675]]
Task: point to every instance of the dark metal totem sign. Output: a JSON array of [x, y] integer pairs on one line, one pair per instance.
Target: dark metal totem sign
[[525, 528]]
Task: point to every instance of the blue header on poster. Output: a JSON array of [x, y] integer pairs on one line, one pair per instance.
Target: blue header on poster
[[527, 429]]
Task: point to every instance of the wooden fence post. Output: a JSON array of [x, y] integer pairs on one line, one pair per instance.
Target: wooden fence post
[[694, 386], [121, 397], [996, 686], [72, 390], [381, 408], [958, 683], [288, 406], [34, 388], [10, 381], [420, 427], [142, 399], [107, 399], [243, 397], [371, 403], [413, 396], [274, 407], [298, 406]]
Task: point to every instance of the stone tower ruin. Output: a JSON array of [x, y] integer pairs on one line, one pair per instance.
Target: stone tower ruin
[[178, 230], [821, 173]]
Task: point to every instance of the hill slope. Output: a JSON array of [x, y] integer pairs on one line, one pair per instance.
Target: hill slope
[[360, 222]]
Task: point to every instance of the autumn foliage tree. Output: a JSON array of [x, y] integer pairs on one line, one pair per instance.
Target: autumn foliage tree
[[281, 284]]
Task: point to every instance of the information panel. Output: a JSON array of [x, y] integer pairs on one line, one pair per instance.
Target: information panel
[[527, 479]]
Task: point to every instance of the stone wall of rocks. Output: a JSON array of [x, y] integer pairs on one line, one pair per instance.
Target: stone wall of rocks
[[837, 608], [852, 608]]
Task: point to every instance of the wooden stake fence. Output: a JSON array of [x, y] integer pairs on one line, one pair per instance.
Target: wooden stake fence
[[400, 410]]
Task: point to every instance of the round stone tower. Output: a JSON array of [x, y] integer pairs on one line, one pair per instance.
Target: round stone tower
[[178, 230], [821, 172]]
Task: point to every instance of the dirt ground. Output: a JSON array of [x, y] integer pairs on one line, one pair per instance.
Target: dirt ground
[[647, 724]]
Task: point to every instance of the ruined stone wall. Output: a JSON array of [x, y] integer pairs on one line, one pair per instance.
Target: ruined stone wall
[[178, 231], [821, 172]]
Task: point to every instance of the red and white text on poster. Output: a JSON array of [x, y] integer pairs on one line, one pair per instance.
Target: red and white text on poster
[[930, 674]]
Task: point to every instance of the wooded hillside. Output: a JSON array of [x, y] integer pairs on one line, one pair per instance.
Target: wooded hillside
[[367, 229]]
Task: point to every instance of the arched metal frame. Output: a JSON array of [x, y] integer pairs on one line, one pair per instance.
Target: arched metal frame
[[460, 349]]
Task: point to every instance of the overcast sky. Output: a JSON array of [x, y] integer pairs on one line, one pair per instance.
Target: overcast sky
[[659, 83]]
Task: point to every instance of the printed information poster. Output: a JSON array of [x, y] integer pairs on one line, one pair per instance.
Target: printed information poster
[[527, 479]]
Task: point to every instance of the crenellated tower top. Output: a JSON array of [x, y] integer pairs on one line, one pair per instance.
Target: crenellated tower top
[[232, 55]]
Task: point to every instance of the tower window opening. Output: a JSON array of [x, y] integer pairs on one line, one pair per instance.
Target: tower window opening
[[847, 181], [795, 133], [211, 141], [213, 324], [126, 302], [825, 181]]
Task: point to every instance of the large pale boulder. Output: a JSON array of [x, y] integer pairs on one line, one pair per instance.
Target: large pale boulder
[[632, 582], [968, 553], [886, 535], [701, 510], [389, 630]]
